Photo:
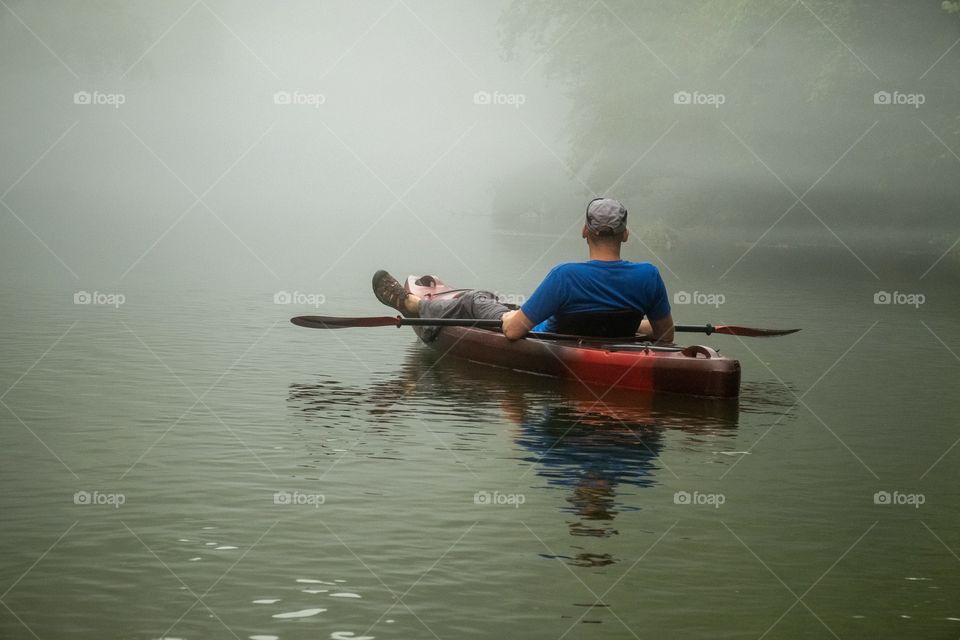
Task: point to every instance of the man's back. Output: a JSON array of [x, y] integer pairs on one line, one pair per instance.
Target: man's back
[[597, 285]]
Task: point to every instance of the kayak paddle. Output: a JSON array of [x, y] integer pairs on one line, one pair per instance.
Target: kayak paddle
[[732, 330], [332, 322]]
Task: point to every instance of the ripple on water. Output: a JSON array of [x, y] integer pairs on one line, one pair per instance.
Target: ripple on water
[[302, 613], [345, 594], [348, 635], [263, 637], [266, 601]]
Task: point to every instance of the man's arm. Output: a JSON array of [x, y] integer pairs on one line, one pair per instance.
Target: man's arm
[[660, 330], [516, 324], [545, 300]]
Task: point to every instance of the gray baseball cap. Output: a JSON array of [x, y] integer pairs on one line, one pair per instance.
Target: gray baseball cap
[[606, 216]]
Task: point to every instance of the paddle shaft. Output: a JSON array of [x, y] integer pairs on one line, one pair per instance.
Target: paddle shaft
[[694, 328], [496, 324], [327, 322], [449, 322]]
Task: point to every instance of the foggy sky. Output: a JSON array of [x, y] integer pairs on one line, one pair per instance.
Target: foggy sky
[[396, 138]]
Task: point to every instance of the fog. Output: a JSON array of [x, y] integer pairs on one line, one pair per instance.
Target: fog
[[293, 141]]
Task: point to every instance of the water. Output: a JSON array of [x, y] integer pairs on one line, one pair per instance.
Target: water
[[247, 477], [190, 465]]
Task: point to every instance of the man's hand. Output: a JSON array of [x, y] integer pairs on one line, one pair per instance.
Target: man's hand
[[515, 324], [660, 331]]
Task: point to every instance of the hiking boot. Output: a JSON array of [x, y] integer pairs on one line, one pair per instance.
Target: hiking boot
[[389, 291]]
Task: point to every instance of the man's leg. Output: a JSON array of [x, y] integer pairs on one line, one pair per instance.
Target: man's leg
[[473, 304], [470, 304], [391, 293]]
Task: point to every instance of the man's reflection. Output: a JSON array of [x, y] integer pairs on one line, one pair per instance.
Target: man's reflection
[[590, 442]]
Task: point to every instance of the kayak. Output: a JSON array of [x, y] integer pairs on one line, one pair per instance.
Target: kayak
[[694, 370]]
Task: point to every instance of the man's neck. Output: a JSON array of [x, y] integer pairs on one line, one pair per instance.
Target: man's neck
[[600, 253]]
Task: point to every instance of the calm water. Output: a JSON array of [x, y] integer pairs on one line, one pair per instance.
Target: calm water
[[282, 482], [189, 465]]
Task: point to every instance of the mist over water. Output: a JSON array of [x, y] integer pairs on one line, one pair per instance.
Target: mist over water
[[300, 126], [177, 179]]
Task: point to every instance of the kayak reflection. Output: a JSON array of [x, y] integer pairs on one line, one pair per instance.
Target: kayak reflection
[[594, 444], [587, 441]]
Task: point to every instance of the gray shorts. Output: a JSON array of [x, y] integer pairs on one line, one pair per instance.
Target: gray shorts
[[474, 303]]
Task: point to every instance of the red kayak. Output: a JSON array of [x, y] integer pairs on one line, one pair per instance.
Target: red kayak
[[695, 370]]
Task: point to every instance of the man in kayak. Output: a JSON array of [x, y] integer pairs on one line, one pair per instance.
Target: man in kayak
[[605, 295]]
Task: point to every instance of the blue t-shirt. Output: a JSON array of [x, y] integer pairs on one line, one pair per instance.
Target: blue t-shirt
[[597, 285]]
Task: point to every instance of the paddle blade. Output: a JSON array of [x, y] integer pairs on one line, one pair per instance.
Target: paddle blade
[[752, 332], [331, 322]]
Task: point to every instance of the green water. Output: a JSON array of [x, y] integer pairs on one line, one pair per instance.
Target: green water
[[194, 407], [188, 464]]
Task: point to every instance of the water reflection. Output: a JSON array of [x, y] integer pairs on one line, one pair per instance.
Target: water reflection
[[590, 442], [593, 444]]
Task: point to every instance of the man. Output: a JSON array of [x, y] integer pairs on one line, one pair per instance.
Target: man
[[575, 297]]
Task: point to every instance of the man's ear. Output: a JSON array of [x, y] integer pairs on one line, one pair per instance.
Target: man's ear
[[626, 235], [583, 232]]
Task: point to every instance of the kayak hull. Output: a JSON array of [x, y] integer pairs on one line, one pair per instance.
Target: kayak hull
[[694, 370]]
